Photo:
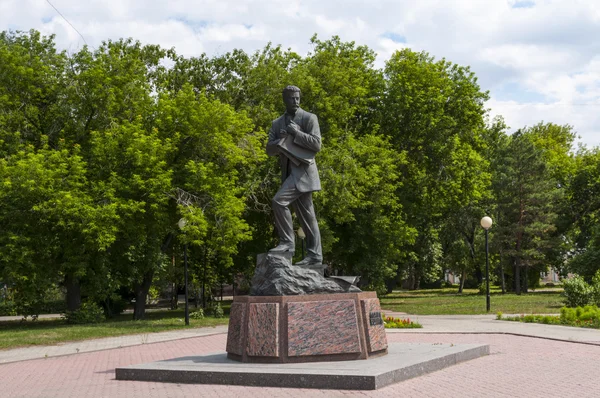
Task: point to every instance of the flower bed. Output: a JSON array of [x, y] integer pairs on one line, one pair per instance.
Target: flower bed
[[398, 323]]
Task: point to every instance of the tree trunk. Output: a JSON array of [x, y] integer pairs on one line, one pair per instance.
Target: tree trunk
[[141, 292], [461, 286], [478, 274], [417, 282], [502, 278], [502, 274], [73, 292], [413, 278], [518, 260], [410, 279], [526, 280], [471, 242], [174, 300], [204, 265], [517, 277]]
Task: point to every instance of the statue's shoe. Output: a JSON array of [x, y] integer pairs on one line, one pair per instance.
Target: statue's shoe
[[307, 261], [282, 248]]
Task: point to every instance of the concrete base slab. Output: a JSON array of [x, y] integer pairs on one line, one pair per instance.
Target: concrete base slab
[[404, 361]]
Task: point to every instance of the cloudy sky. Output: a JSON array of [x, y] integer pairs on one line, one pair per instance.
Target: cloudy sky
[[540, 59]]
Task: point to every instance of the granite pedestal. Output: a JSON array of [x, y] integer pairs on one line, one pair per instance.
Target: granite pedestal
[[306, 328], [404, 361]]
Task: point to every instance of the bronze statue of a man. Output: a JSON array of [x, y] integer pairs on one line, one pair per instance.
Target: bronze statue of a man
[[300, 178]]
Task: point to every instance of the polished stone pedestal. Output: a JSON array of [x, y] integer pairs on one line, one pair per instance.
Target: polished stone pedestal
[[404, 361], [306, 328]]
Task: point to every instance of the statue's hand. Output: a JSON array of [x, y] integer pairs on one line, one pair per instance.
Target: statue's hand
[[283, 133], [293, 129]]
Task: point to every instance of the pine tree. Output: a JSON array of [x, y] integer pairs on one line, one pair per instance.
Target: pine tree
[[527, 195]]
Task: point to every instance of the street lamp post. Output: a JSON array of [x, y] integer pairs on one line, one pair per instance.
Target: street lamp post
[[486, 223], [301, 235], [181, 225]]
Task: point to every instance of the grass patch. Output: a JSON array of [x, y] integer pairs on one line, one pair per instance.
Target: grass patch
[[448, 302], [15, 334]]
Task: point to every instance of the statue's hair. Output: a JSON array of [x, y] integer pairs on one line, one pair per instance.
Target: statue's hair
[[290, 89]]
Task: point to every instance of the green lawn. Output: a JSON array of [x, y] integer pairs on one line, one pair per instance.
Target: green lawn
[[449, 302], [52, 331], [421, 302]]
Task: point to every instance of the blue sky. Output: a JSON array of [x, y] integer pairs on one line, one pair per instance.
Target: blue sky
[[540, 59]]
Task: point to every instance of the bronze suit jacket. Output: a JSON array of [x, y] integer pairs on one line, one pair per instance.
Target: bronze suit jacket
[[306, 176]]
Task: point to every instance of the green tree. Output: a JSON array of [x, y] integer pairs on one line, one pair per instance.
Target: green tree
[[341, 85], [215, 148], [556, 143], [37, 117], [584, 210], [434, 112], [130, 172], [51, 226], [361, 217], [527, 196], [462, 243], [32, 90]]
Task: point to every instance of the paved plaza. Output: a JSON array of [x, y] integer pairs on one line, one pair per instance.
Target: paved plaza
[[526, 360]]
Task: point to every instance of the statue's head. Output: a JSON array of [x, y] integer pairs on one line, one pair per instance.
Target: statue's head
[[291, 98]]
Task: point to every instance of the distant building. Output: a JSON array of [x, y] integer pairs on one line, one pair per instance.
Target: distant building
[[450, 277], [549, 277], [545, 277]]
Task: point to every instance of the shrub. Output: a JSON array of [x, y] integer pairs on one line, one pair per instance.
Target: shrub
[[547, 319], [217, 311], [10, 308], [588, 317], [577, 292], [587, 313], [482, 288], [434, 284], [379, 287], [89, 312], [596, 289], [54, 307], [7, 308], [114, 305], [567, 315], [580, 314], [471, 283], [198, 314], [499, 315], [153, 294], [529, 318]]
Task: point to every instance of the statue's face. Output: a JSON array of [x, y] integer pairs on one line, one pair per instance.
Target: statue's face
[[292, 101]]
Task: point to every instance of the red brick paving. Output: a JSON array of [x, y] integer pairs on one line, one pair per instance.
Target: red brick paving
[[516, 367]]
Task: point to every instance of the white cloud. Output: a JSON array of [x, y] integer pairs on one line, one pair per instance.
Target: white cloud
[[538, 58], [524, 58], [579, 115], [329, 25], [229, 32]]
